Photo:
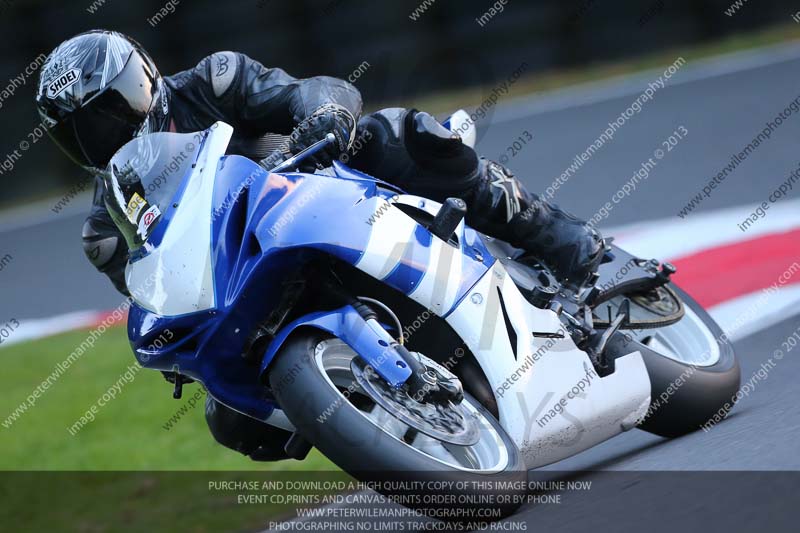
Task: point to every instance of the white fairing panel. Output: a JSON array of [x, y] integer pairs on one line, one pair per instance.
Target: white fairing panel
[[392, 237], [391, 233], [176, 278], [550, 400]]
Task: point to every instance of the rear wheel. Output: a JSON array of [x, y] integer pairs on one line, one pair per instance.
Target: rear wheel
[[694, 373], [331, 409]]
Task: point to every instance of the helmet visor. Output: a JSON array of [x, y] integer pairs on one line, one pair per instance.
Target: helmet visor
[[93, 133]]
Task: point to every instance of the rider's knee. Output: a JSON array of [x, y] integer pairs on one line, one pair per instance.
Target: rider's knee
[[384, 154], [105, 249], [414, 151], [433, 145]]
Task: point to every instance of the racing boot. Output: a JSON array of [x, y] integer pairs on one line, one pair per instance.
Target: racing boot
[[501, 206]]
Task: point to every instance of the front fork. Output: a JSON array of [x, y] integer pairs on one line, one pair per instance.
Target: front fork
[[423, 383], [357, 325]]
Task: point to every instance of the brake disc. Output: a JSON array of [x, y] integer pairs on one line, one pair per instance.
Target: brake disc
[[448, 422]]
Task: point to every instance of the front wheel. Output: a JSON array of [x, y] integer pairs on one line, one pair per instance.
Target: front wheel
[[314, 382]]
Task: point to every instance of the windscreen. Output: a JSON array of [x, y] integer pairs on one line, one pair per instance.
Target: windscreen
[[142, 178]]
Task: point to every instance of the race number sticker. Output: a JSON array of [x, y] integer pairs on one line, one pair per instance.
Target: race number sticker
[[150, 216], [134, 207]]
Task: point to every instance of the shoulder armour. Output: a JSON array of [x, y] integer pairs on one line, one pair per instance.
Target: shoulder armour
[[222, 68]]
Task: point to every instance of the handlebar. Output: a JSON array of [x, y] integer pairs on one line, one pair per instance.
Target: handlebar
[[297, 158]]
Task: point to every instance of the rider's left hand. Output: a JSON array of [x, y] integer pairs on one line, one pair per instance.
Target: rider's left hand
[[327, 119]]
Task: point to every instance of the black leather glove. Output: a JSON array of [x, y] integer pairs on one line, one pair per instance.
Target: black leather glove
[[329, 118]]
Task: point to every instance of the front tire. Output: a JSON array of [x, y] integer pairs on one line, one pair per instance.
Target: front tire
[[312, 380]]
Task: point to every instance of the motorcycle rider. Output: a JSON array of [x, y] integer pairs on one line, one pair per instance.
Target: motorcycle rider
[[100, 89]]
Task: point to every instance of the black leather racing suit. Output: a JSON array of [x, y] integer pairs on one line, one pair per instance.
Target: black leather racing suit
[[406, 147], [229, 87]]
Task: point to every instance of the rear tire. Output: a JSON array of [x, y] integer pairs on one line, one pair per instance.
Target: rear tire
[[368, 451], [685, 396]]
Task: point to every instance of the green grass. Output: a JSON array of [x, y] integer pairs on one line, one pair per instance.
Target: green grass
[[132, 502], [127, 433], [127, 451]]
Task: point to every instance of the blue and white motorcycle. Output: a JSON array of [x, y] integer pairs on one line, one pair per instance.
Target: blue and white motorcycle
[[379, 328]]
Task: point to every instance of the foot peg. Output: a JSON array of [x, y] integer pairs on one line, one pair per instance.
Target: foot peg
[[599, 339]]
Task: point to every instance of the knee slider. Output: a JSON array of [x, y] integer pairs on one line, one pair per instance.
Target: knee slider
[[99, 244], [427, 134], [438, 151]]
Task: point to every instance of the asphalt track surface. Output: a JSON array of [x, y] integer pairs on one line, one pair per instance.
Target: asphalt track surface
[[722, 104]]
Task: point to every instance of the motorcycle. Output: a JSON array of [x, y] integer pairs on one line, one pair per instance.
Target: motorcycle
[[381, 329]]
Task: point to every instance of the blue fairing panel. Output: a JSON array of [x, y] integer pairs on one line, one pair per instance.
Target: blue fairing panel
[[265, 226]]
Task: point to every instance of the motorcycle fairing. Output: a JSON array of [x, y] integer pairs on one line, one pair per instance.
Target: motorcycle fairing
[[258, 227], [261, 232]]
